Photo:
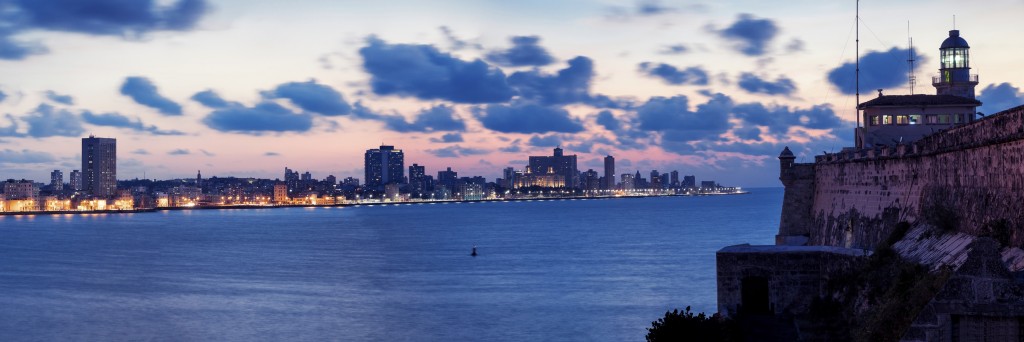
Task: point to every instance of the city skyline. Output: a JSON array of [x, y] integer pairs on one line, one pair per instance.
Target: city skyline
[[246, 88]]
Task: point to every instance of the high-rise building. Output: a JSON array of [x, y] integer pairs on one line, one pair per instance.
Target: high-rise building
[[76, 180], [509, 177], [57, 180], [99, 166], [559, 164], [689, 182], [655, 180], [307, 177], [674, 181], [417, 179], [384, 165], [448, 178], [628, 182], [591, 180], [609, 172]]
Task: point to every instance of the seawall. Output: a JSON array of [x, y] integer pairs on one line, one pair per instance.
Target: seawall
[[975, 171]]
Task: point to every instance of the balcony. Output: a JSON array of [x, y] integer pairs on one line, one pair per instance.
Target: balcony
[[937, 80]]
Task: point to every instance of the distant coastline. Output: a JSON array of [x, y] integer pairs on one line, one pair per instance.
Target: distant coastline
[[353, 204]]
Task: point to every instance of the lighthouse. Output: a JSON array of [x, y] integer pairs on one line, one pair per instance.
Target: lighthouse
[[955, 76]]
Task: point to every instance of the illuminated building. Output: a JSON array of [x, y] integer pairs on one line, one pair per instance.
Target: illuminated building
[[689, 182], [591, 180], [280, 193], [99, 166], [384, 165], [628, 182], [900, 119], [57, 181], [557, 163], [471, 192], [417, 179], [674, 179], [447, 178], [549, 179], [76, 180]]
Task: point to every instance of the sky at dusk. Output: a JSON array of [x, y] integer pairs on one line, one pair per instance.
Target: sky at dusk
[[248, 87]]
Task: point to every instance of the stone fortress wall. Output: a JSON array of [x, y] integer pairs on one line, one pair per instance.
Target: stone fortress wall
[[853, 198]]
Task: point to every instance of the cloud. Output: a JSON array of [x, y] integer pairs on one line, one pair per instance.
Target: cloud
[[545, 141], [142, 91], [437, 118], [8, 156], [456, 151], [140, 152], [672, 75], [673, 118], [751, 35], [264, 117], [58, 98], [608, 121], [3, 96], [641, 8], [424, 72], [45, 121], [795, 45], [10, 130], [121, 121], [448, 138], [779, 119], [569, 85], [210, 98], [310, 96], [525, 51], [674, 49], [527, 118], [179, 152], [456, 43], [754, 84], [878, 70], [126, 19], [207, 153], [271, 154], [995, 98]]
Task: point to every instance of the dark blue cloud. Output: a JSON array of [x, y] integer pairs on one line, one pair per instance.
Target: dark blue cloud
[[569, 85], [779, 119], [121, 121], [424, 72], [754, 84], [456, 151], [210, 99], [651, 7], [995, 98], [179, 152], [11, 130], [672, 75], [58, 98], [673, 117], [123, 18], [45, 121], [608, 121], [545, 141], [527, 118], [878, 70], [143, 92], [750, 34], [264, 117], [3, 96], [751, 133], [312, 97], [438, 118], [129, 18], [448, 138], [525, 51]]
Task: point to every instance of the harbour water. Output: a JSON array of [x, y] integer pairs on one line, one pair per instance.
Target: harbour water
[[571, 270]]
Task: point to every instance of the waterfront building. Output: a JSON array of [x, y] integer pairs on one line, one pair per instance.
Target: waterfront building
[[384, 165], [75, 180], [708, 185], [417, 179], [591, 180], [471, 192], [655, 179], [280, 193], [349, 181], [558, 163], [509, 180], [628, 182], [549, 179], [391, 192], [899, 119], [291, 179], [674, 179], [447, 178], [57, 181], [609, 173], [689, 182], [99, 166], [638, 181], [331, 180]]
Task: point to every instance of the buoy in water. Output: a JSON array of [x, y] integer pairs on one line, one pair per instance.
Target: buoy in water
[[474, 251]]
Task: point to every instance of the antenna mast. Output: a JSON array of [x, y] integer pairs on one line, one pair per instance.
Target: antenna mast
[[911, 77], [857, 77]]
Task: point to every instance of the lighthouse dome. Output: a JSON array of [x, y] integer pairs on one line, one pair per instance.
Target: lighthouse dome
[[954, 41]]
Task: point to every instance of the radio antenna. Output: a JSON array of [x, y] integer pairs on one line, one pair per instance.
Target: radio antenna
[[910, 76]]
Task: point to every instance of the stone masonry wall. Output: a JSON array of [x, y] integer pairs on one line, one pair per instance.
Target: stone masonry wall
[[977, 168]]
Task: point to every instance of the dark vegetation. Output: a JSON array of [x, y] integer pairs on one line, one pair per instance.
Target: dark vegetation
[[687, 326], [999, 230]]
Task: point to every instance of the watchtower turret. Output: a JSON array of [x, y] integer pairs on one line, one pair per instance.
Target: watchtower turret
[[955, 76]]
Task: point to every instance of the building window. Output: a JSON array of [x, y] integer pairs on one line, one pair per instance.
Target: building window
[[887, 119], [958, 118], [875, 120], [901, 120], [915, 119], [932, 119], [943, 119]]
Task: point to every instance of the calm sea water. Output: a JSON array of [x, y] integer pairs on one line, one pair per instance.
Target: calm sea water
[[594, 270]]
